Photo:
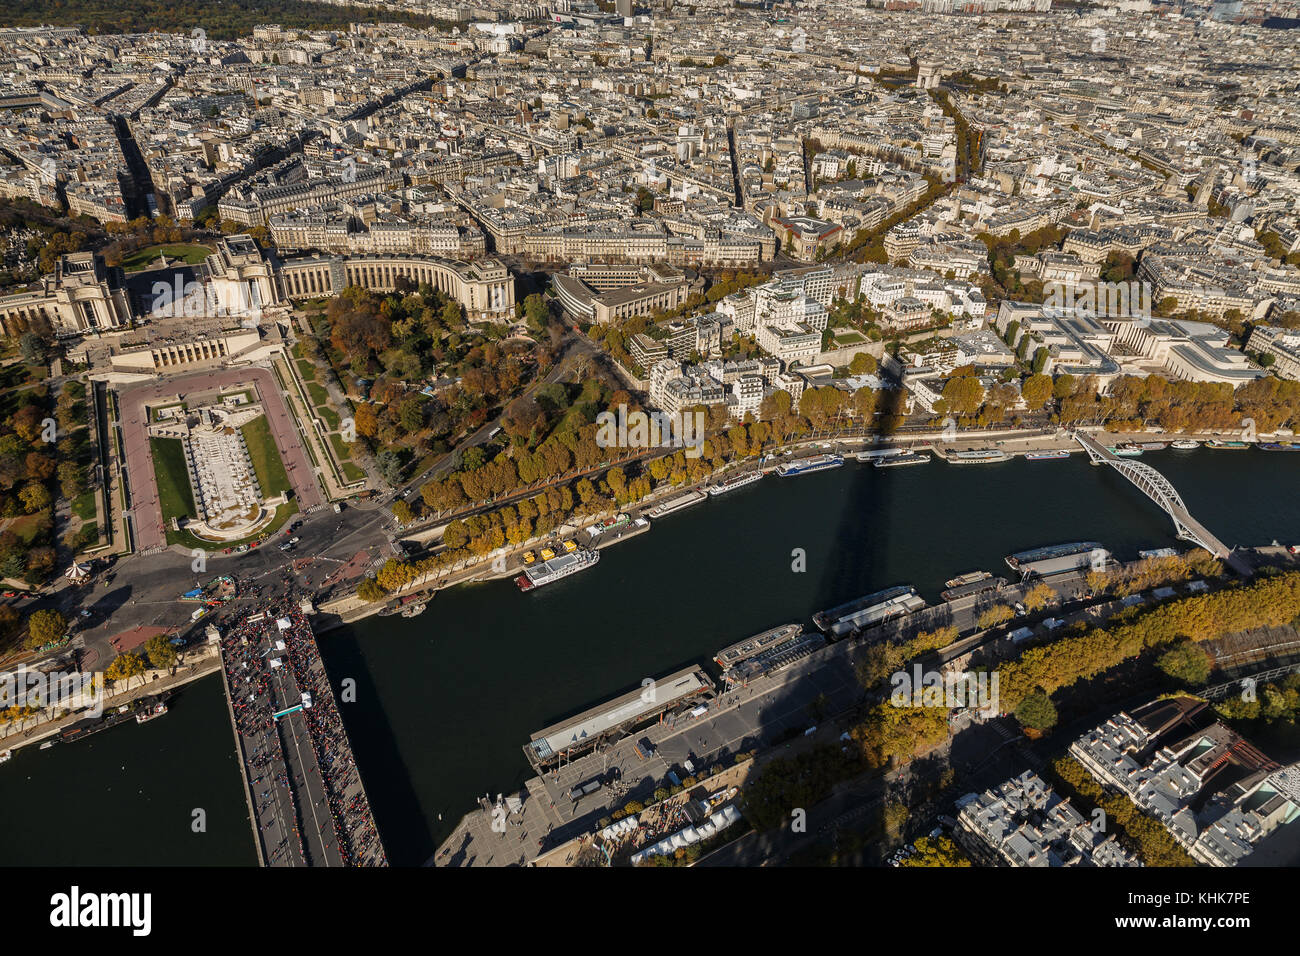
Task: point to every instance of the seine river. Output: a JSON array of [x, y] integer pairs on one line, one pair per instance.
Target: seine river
[[446, 701]]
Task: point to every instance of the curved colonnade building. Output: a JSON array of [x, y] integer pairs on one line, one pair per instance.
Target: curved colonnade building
[[83, 296]]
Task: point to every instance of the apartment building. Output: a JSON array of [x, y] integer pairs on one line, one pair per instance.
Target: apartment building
[[1023, 822], [1282, 344], [1215, 793]]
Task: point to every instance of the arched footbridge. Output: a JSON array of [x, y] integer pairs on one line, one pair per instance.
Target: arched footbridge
[[1159, 489]]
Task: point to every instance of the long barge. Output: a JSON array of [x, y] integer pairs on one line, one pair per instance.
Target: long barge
[[808, 465], [692, 497], [1046, 455], [906, 458], [560, 566], [977, 456], [734, 482], [752, 646], [968, 585], [875, 454], [868, 609], [1056, 558], [147, 706], [780, 647]]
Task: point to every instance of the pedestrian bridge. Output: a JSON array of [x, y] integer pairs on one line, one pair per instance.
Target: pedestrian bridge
[[1158, 488]]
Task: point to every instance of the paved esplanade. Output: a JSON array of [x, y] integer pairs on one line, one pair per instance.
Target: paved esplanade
[[1158, 488]]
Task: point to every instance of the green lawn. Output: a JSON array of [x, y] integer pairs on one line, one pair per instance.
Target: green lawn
[[352, 473], [190, 254], [25, 527], [342, 449], [84, 505], [329, 416], [318, 394], [266, 457], [306, 370], [169, 468]]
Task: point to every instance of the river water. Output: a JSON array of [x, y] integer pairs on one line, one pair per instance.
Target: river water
[[446, 701]]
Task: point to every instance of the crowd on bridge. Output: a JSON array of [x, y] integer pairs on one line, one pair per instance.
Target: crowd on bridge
[[248, 648], [357, 837]]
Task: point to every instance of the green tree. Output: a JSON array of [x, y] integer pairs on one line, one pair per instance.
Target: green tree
[[33, 349], [863, 364], [1037, 712], [939, 851], [1036, 390], [1039, 596], [127, 667], [45, 626], [1187, 663], [895, 814], [162, 656], [997, 614]]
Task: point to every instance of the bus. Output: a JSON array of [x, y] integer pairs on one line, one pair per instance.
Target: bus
[[494, 433]]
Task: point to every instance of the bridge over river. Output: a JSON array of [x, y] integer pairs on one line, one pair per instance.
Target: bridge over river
[[1159, 489]]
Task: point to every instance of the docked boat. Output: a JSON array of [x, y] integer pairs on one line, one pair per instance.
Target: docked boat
[[414, 610], [977, 456], [734, 482], [808, 465], [6, 756], [969, 586], [1127, 449], [742, 650], [1046, 455], [692, 497], [968, 578], [868, 609], [1158, 553], [609, 524], [875, 454], [92, 725], [1226, 445], [1056, 558], [755, 656], [1153, 445], [560, 566], [149, 713], [1279, 446], [907, 458], [1185, 444]]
